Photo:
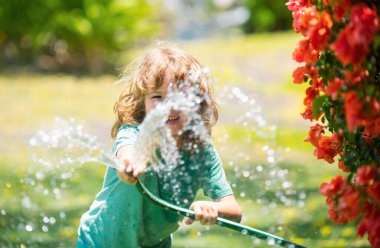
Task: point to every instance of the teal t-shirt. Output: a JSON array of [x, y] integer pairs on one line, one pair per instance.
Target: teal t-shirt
[[121, 217]]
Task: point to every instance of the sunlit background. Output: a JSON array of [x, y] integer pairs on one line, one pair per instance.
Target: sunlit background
[[61, 59]]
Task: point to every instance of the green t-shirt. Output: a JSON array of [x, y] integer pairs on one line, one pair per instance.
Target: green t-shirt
[[121, 217]]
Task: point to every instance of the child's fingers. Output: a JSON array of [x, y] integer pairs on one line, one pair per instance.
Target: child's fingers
[[213, 216], [198, 212], [138, 170], [127, 165], [126, 176], [189, 221], [206, 216]]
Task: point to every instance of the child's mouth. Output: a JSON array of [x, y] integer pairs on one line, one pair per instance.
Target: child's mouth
[[172, 120]]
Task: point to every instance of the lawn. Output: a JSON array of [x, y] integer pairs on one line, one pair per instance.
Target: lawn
[[273, 172]]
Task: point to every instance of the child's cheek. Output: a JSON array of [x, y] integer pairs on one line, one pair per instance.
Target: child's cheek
[[149, 105]]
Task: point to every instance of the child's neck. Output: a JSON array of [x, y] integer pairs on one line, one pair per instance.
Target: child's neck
[[179, 141]]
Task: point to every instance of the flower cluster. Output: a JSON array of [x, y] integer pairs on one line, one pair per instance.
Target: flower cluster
[[340, 56]]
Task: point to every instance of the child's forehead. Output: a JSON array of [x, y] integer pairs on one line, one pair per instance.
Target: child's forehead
[[162, 82]]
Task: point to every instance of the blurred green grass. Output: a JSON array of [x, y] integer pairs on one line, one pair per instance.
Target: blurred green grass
[[259, 64]]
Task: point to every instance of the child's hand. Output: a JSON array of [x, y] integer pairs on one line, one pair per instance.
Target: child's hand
[[126, 174], [129, 173], [205, 211]]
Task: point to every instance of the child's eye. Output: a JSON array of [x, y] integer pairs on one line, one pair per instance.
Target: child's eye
[[156, 97]]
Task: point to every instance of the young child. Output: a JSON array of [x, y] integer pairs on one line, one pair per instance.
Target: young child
[[120, 216]]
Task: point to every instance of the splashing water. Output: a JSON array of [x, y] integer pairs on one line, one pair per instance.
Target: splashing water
[[155, 134], [65, 147], [67, 144], [253, 162]]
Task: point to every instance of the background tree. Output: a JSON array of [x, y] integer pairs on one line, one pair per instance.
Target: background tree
[[72, 34], [266, 16]]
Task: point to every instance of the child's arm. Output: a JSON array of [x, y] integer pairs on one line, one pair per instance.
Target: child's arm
[[207, 211], [125, 155]]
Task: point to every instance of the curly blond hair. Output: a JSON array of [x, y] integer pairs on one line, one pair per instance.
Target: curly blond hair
[[164, 61]]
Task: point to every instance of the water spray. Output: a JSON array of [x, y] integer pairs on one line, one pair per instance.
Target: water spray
[[246, 230]]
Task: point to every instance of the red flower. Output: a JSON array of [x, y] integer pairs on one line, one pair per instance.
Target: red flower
[[335, 216], [349, 205], [314, 25], [308, 113], [342, 200], [370, 224], [305, 53], [340, 10], [347, 49], [351, 45], [374, 192], [374, 108], [295, 5], [336, 187], [315, 133], [353, 108], [320, 33], [333, 88], [357, 76], [299, 74], [365, 21], [343, 167], [365, 175], [305, 19], [372, 127], [328, 148], [311, 94]]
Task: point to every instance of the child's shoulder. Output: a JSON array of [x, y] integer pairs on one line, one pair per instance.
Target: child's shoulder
[[129, 127]]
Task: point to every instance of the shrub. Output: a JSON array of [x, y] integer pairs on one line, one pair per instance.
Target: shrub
[[266, 16], [80, 34], [341, 56]]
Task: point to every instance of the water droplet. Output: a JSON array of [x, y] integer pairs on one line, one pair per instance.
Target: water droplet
[[62, 215], [45, 228], [46, 219], [52, 220], [26, 202], [271, 242], [28, 228], [244, 231], [32, 141], [242, 194], [286, 184], [3, 212], [40, 175], [302, 196]]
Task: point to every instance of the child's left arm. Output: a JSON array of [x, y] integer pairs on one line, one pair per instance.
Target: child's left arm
[[208, 211]]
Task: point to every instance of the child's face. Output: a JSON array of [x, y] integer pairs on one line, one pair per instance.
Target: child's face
[[176, 119]]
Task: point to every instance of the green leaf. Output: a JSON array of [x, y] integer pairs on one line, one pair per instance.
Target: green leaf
[[317, 105]]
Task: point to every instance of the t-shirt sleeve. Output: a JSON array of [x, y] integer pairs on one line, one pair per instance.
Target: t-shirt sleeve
[[215, 183], [126, 135]]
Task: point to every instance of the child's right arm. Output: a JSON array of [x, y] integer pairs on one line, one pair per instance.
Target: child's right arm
[[130, 172]]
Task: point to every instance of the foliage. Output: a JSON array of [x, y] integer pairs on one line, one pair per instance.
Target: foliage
[[341, 52], [266, 16], [82, 34]]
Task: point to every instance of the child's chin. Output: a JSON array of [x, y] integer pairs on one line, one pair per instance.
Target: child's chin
[[176, 130]]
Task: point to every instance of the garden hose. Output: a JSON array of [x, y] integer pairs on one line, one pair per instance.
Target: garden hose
[[271, 239]]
